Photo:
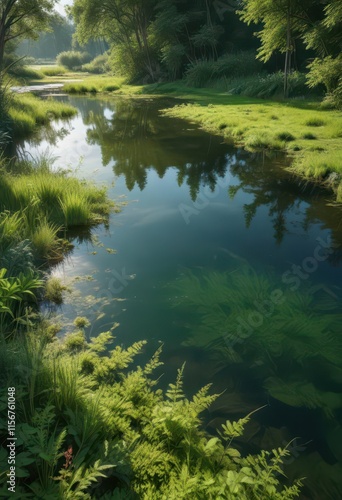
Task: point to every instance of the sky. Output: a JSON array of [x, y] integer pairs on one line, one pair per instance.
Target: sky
[[61, 4]]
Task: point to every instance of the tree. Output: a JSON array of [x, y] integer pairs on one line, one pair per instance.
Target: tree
[[283, 21], [123, 24], [22, 19]]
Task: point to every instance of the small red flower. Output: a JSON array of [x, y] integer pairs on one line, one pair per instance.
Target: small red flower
[[68, 457]]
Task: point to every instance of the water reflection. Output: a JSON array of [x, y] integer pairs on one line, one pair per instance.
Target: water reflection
[[267, 218], [136, 139]]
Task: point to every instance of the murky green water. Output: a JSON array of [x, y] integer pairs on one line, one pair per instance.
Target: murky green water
[[225, 258]]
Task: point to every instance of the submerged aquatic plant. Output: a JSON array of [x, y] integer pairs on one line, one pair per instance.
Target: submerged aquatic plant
[[236, 319]]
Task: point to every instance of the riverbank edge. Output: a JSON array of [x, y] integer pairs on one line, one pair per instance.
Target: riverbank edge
[[307, 132], [310, 135]]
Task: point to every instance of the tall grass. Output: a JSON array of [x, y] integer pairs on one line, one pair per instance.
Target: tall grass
[[205, 73], [76, 211], [45, 239], [27, 111], [40, 202]]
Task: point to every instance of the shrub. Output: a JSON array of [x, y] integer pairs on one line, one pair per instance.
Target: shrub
[[326, 71], [268, 86], [205, 73], [72, 59], [98, 66]]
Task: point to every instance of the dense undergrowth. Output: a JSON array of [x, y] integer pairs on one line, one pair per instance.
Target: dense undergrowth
[[91, 426]]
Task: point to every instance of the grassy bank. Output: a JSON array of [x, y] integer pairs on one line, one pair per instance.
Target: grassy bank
[[38, 205], [94, 84], [312, 135], [27, 112]]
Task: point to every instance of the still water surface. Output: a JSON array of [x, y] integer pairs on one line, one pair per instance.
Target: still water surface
[[225, 258]]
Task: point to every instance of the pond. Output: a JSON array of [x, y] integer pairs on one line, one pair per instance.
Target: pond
[[226, 259]]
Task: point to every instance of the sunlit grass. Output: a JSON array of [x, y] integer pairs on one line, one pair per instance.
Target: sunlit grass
[[76, 211], [257, 124], [40, 202], [45, 239], [53, 70], [94, 84], [27, 111]]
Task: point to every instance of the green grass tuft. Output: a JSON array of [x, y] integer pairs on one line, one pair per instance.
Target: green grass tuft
[[45, 239], [315, 122], [309, 136], [54, 290], [53, 70], [285, 136], [75, 207]]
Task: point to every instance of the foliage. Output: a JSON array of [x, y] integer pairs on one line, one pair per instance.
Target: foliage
[[268, 86], [204, 73], [90, 426], [36, 204], [99, 65], [327, 71], [22, 20], [73, 59], [16, 295]]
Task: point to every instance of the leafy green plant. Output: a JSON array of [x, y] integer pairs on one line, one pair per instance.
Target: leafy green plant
[[73, 59], [109, 433], [99, 65], [16, 293]]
